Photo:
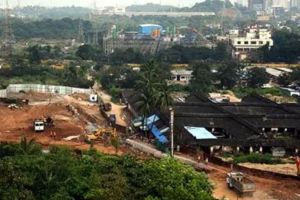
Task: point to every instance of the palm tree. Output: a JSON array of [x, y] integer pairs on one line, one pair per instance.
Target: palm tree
[[164, 99], [29, 147], [154, 90]]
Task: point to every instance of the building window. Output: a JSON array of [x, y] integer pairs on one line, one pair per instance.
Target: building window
[[253, 42], [261, 42], [239, 42], [246, 42]]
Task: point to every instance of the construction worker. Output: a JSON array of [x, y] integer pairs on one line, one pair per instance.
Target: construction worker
[[298, 165], [199, 158]]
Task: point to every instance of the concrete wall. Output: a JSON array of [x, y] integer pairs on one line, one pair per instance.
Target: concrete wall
[[3, 94], [63, 90]]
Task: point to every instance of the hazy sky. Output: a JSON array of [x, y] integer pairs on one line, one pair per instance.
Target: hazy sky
[[89, 3]]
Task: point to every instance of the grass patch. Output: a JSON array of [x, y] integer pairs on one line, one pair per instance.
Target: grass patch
[[226, 155], [274, 91], [256, 158]]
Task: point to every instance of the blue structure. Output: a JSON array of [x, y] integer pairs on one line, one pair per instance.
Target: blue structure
[[200, 133], [149, 124], [150, 29], [154, 130], [157, 134]]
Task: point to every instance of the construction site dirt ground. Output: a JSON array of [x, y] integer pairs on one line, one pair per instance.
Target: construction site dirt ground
[[267, 188], [16, 123]]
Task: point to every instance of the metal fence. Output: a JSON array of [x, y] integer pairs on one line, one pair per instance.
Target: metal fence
[[55, 89]]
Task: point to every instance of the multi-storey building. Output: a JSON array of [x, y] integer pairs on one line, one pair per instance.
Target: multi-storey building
[[249, 41], [257, 5], [295, 4]]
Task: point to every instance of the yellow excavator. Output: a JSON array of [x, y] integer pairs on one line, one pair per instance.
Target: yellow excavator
[[102, 133]]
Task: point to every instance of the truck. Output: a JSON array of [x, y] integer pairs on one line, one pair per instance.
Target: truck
[[239, 182], [39, 126]]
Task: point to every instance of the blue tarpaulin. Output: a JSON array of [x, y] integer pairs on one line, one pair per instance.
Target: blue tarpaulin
[[200, 133], [152, 119], [149, 125], [158, 135]]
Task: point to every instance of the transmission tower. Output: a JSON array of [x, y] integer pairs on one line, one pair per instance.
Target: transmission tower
[[95, 31], [95, 35], [8, 37], [80, 36]]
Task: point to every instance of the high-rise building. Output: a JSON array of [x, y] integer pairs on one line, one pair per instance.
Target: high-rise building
[[295, 4], [268, 5], [281, 3], [257, 5], [243, 2]]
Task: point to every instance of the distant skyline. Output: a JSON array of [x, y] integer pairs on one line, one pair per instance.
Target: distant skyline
[[100, 3]]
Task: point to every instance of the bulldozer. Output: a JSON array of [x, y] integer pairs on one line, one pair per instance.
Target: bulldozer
[[102, 134]]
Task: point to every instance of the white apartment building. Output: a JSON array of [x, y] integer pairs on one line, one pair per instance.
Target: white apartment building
[[181, 76], [252, 40]]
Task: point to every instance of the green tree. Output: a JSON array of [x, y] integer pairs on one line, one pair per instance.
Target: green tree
[[285, 79], [221, 52], [286, 47], [34, 55], [154, 91], [295, 76], [257, 77], [29, 147], [202, 80], [159, 176], [86, 52], [64, 174], [228, 74]]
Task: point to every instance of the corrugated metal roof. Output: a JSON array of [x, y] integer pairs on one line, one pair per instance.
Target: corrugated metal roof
[[200, 133]]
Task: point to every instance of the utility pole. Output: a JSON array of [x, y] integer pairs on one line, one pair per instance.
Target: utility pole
[[172, 130], [9, 40]]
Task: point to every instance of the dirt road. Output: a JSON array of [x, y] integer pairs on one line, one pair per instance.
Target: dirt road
[[266, 188]]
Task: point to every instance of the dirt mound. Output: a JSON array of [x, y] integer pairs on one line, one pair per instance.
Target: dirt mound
[[80, 96]]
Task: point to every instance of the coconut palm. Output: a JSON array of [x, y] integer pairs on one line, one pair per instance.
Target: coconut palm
[[29, 147], [154, 92], [164, 99]]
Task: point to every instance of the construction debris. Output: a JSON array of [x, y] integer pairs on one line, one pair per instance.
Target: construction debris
[[13, 106], [72, 138]]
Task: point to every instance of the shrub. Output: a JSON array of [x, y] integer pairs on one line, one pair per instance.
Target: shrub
[[256, 158], [242, 92], [115, 94]]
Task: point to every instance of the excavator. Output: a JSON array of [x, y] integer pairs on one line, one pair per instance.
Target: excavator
[[102, 134]]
